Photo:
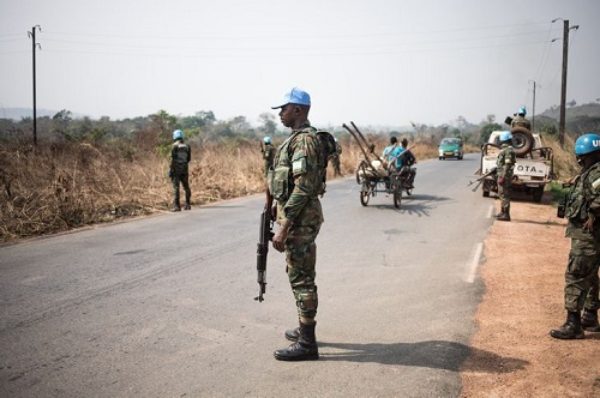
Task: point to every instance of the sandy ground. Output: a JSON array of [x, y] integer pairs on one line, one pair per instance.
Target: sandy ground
[[523, 272]]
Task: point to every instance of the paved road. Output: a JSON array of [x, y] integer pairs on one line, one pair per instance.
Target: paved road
[[162, 306]]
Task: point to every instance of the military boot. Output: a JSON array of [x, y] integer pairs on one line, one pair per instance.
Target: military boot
[[304, 349], [589, 321], [571, 329], [293, 334], [187, 207], [504, 216]]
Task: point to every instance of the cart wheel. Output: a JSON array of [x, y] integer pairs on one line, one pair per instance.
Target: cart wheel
[[397, 192], [361, 169], [365, 194]]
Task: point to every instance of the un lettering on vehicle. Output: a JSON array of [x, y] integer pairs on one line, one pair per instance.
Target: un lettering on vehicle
[[531, 169]]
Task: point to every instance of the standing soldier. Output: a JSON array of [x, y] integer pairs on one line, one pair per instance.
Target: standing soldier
[[181, 154], [583, 212], [268, 152], [335, 158], [504, 171], [295, 182], [519, 120]]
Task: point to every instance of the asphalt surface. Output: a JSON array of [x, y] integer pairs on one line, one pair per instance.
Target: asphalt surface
[[163, 306]]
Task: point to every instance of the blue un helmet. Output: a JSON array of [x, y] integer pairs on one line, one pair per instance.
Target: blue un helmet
[[522, 111], [505, 136], [267, 140], [177, 135], [587, 143]]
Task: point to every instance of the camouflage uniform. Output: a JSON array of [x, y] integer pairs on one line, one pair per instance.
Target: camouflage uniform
[[592, 301], [267, 152], [295, 182], [335, 159], [520, 121], [581, 276], [505, 165], [181, 154]]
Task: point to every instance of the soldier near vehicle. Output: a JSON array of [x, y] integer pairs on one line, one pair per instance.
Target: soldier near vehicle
[[268, 152], [504, 174], [582, 209], [519, 119], [181, 154], [295, 182]]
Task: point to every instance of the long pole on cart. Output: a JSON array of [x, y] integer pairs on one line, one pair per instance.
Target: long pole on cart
[[360, 145], [368, 144]]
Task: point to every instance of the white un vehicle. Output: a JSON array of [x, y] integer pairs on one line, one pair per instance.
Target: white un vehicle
[[534, 167]]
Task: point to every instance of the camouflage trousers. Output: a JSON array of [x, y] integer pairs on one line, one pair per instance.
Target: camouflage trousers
[[301, 257], [183, 180], [335, 161], [581, 276], [504, 191]]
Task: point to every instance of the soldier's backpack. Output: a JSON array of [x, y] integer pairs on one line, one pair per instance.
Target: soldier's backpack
[[327, 146]]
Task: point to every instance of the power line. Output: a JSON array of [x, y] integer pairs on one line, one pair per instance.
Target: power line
[[284, 36], [293, 53], [268, 48]]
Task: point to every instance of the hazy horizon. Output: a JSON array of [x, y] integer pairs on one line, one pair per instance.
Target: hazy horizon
[[377, 62]]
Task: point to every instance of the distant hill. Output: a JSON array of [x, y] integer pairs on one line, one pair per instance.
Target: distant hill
[[580, 119], [590, 110]]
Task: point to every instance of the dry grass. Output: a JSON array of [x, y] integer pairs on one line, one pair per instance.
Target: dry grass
[[565, 164], [62, 186]]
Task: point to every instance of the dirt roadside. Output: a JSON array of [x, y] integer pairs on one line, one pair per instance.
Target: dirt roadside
[[523, 274]]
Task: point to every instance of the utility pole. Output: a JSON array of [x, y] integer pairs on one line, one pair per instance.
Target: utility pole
[[33, 47], [533, 108], [563, 90]]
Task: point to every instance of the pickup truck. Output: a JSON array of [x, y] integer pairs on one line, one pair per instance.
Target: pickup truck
[[533, 170]]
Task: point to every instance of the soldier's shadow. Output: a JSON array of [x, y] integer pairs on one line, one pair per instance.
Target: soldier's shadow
[[436, 354]]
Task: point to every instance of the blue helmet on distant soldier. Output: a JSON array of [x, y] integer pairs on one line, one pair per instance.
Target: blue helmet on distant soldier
[[587, 143], [505, 136], [267, 140], [177, 135], [522, 111]]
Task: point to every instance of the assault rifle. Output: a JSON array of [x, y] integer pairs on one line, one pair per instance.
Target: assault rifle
[[479, 181], [265, 235]]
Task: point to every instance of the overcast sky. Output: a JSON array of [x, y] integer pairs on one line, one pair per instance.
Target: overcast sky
[[379, 62]]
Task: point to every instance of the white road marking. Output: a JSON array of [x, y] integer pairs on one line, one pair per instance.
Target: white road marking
[[490, 212], [475, 262]]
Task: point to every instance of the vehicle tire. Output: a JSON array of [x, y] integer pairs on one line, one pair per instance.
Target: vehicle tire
[[440, 158], [397, 192], [365, 194], [460, 157], [538, 194], [522, 141]]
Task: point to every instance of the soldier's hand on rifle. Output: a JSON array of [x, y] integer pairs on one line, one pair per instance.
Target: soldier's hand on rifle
[[500, 180], [281, 236]]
